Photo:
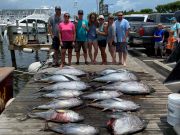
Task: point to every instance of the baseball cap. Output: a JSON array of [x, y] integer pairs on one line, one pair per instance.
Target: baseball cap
[[57, 8], [101, 17], [172, 19], [80, 11]]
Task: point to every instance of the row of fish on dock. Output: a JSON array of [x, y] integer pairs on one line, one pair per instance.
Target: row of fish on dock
[[68, 91]]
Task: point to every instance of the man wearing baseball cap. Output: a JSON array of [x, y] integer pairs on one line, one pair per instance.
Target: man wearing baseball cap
[[54, 32], [176, 28], [81, 37]]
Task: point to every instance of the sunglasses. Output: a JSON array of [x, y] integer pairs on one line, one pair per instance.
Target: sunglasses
[[67, 16], [120, 15], [101, 19]]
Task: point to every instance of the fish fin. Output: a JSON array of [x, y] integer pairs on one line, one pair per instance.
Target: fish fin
[[104, 109], [70, 79], [94, 100], [109, 82], [118, 99]]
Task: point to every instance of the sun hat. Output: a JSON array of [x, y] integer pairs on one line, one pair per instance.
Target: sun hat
[[101, 17]]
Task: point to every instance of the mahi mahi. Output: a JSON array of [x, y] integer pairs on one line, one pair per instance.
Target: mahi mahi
[[64, 116], [118, 76], [116, 104]]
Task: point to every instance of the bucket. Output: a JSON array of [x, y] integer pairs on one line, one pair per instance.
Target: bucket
[[173, 117]]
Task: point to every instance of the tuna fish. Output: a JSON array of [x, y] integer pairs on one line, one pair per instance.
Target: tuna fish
[[131, 87], [119, 76], [63, 94], [61, 104], [101, 95], [64, 116], [72, 71], [116, 104], [125, 124], [66, 70], [71, 85], [73, 129], [58, 78], [110, 70]]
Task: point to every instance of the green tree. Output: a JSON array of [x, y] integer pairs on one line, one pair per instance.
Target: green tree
[[146, 11], [170, 7]]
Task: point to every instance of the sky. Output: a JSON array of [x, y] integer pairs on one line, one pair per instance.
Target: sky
[[86, 5]]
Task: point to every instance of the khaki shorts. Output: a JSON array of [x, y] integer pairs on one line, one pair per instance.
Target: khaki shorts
[[158, 45], [80, 44]]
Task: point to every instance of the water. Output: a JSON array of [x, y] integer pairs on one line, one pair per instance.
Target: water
[[23, 60]]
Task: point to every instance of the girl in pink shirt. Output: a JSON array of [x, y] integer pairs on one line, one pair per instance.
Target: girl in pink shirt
[[67, 36]]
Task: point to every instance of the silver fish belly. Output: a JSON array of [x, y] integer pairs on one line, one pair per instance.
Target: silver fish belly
[[101, 95], [116, 104], [113, 77], [61, 104]]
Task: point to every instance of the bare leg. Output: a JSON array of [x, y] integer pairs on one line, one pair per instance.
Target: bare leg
[[156, 51], [77, 56], [85, 54], [112, 52], [124, 58], [90, 51], [120, 58], [95, 51], [69, 56], [63, 53], [103, 55], [55, 56]]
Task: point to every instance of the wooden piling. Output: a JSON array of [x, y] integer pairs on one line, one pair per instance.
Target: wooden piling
[[6, 86]]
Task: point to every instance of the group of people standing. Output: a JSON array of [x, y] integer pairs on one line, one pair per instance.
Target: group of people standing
[[95, 33], [167, 39]]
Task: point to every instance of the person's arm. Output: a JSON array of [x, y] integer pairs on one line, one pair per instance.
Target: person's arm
[[60, 39], [104, 32], [74, 34], [113, 33], [50, 28], [127, 31]]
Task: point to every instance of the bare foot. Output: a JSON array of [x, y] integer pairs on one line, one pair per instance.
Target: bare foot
[[124, 64], [94, 62], [61, 66]]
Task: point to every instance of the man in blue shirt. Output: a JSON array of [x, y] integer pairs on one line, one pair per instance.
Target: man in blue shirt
[[176, 28], [158, 38], [81, 36], [122, 28]]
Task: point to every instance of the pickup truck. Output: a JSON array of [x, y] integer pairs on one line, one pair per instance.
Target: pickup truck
[[135, 21], [144, 35]]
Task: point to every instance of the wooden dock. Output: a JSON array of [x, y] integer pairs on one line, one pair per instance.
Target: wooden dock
[[153, 107]]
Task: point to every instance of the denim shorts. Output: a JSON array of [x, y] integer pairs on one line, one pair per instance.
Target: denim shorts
[[55, 43], [121, 47]]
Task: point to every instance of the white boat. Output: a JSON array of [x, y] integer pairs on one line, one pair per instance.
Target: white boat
[[35, 23]]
